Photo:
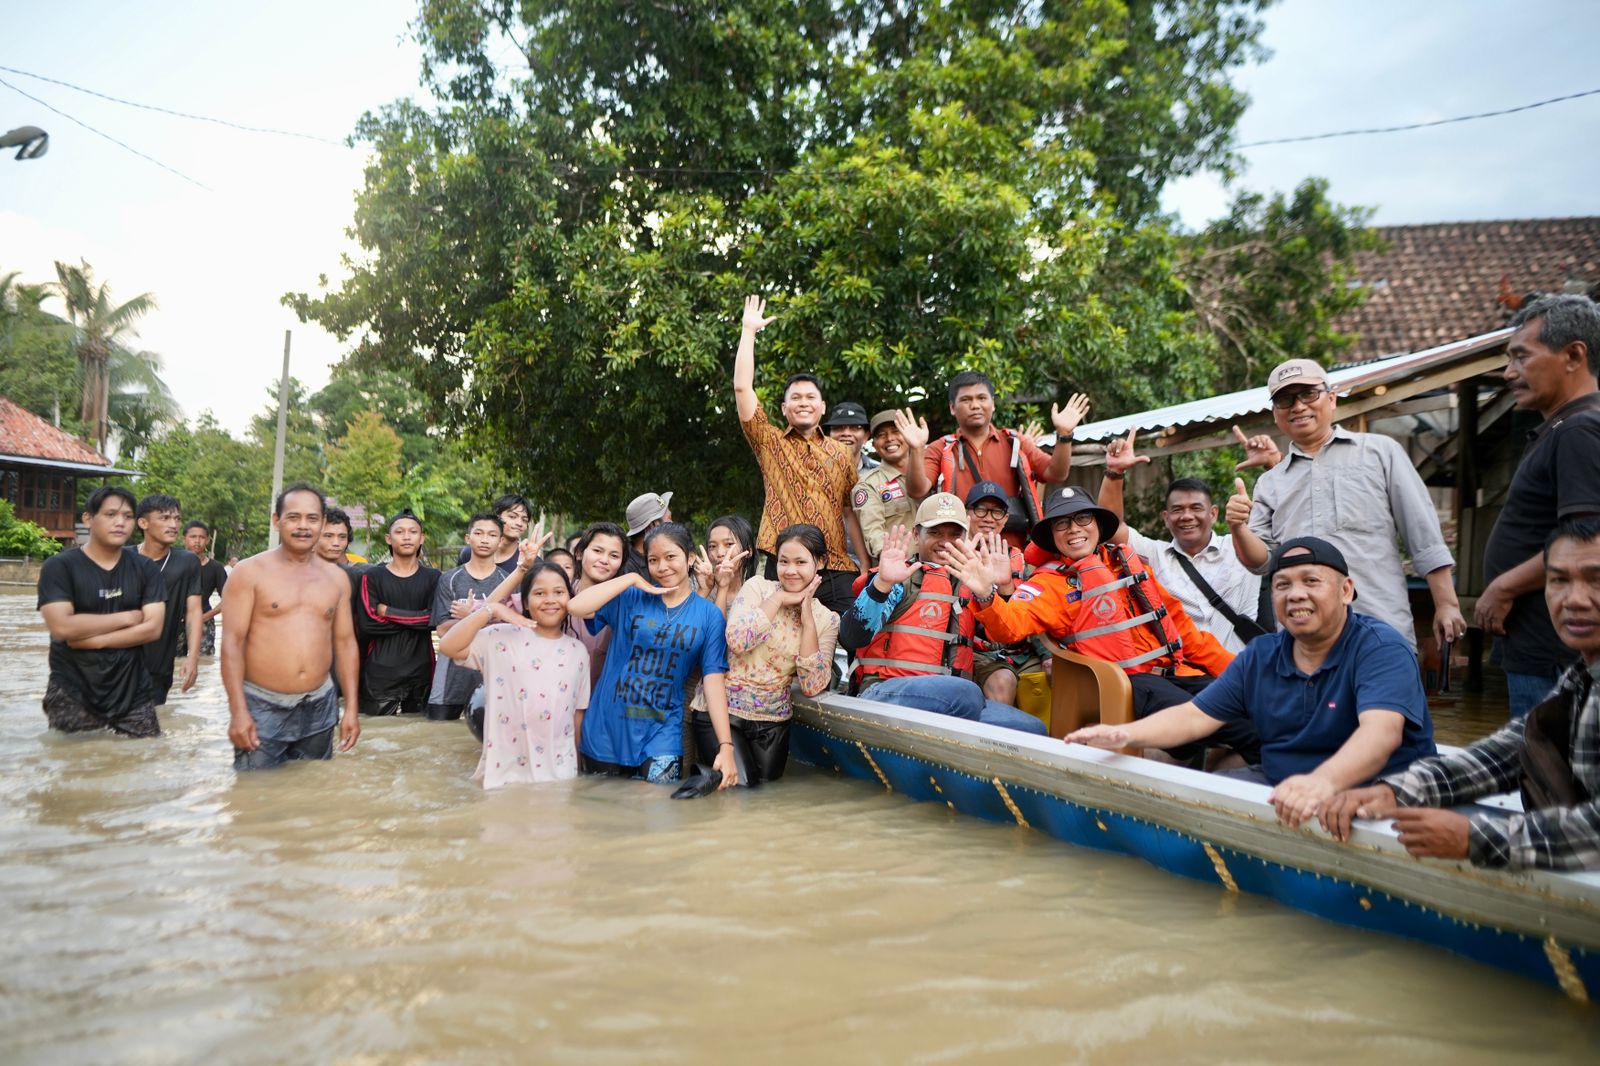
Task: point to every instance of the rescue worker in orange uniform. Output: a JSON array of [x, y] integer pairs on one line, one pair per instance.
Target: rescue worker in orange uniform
[[911, 626], [1098, 599]]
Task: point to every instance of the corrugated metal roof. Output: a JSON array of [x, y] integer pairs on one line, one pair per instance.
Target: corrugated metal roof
[[1236, 405], [62, 464]]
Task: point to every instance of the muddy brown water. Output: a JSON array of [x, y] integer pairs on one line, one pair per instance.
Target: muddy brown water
[[381, 908]]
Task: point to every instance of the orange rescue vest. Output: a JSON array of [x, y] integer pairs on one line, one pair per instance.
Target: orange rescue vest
[[929, 632], [1117, 619], [954, 446]]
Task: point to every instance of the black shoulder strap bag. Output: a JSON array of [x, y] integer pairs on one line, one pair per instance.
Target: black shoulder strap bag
[[1248, 629]]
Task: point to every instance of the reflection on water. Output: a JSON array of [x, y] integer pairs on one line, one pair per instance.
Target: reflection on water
[[382, 908]]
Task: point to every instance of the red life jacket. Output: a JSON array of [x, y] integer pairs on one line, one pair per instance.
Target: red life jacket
[[1117, 619], [929, 632], [1019, 465]]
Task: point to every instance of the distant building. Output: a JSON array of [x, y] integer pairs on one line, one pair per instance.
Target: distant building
[[1441, 282], [40, 467]]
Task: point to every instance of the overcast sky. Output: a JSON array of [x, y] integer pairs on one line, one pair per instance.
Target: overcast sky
[[273, 215]]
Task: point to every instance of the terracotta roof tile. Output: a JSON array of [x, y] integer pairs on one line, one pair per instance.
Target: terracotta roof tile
[[24, 433], [1442, 282]]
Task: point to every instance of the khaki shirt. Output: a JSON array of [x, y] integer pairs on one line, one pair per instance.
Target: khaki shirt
[[882, 500]]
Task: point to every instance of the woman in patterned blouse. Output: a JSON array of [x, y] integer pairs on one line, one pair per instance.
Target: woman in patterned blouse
[[778, 634]]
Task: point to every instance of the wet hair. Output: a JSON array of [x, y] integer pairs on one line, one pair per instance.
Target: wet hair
[[1190, 484], [487, 516], [508, 501], [299, 486], [157, 503], [1564, 318], [195, 523], [97, 499], [965, 380], [1582, 530], [807, 536], [795, 378], [673, 531], [337, 516], [743, 535]]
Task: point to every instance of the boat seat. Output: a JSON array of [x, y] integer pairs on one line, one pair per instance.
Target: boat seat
[[1084, 691]]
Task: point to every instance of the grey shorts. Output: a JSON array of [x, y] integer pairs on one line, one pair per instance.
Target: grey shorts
[[297, 726]]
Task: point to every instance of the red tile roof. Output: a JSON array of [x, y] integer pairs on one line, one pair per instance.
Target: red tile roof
[[26, 434], [1445, 281]]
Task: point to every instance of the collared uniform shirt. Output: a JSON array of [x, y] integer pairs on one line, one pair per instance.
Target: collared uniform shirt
[[807, 479], [1359, 493], [993, 461], [882, 501], [1220, 567], [1555, 838]]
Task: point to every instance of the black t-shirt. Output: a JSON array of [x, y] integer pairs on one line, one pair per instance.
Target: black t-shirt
[[1559, 477], [397, 651], [111, 681], [213, 575], [180, 576]]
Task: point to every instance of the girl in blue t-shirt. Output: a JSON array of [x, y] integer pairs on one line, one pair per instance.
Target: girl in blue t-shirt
[[662, 634]]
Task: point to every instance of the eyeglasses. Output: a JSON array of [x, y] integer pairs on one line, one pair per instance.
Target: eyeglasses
[[1079, 521], [987, 512], [1284, 399]]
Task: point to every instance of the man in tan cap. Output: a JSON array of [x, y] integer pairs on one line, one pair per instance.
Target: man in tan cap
[[882, 499], [645, 513], [911, 627], [1358, 491]]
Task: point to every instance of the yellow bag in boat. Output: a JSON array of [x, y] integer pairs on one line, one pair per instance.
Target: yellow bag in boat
[[1033, 694]]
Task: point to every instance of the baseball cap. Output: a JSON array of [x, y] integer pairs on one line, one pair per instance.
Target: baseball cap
[[1071, 501], [846, 414], [986, 490], [882, 418], [942, 508], [1296, 372], [1308, 550], [646, 509]]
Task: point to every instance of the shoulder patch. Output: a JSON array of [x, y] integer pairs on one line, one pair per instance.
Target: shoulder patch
[[859, 498], [1026, 591]]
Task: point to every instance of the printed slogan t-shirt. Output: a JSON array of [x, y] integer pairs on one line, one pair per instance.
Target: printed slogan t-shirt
[[636, 709], [112, 681]]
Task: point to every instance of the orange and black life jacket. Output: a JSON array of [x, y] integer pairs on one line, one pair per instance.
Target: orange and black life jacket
[[955, 447], [1117, 620], [929, 632]]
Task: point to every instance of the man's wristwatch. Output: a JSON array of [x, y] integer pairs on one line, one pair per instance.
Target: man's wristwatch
[[1115, 475]]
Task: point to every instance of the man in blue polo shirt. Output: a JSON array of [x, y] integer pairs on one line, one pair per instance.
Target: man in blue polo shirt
[[1335, 695]]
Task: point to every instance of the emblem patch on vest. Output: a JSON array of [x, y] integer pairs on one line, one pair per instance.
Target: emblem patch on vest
[[1103, 608]]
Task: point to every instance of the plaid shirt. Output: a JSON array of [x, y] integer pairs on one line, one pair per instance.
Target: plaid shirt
[[1555, 838]]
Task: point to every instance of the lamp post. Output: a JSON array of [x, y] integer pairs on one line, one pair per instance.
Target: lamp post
[[31, 142]]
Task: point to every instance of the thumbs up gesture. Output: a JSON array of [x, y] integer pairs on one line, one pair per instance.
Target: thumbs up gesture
[[1238, 513]]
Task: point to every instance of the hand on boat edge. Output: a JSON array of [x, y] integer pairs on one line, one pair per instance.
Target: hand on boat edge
[[1374, 801], [1100, 736]]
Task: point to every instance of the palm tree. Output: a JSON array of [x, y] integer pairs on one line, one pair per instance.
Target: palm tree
[[140, 404], [101, 326]]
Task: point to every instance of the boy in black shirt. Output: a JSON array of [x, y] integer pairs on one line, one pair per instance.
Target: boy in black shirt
[[213, 576], [394, 623], [160, 517], [102, 605]]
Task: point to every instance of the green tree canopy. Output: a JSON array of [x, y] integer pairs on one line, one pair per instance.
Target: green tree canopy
[[364, 466], [554, 257]]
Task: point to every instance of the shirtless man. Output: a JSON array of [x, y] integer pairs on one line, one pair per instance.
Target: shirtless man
[[289, 621]]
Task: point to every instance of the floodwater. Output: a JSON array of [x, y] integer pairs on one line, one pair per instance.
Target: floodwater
[[381, 908]]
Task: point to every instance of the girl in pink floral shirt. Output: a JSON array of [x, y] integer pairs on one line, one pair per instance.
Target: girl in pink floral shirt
[[778, 635], [535, 682]]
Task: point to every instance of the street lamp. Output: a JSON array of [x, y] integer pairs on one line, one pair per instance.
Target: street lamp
[[31, 142]]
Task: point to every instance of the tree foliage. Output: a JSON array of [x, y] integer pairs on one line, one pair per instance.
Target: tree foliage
[[21, 537], [364, 466], [554, 257]]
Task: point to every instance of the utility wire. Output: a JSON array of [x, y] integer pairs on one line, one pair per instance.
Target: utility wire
[[107, 136], [175, 114], [1417, 125]]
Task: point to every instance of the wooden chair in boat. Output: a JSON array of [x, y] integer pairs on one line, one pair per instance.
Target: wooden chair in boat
[[1084, 691]]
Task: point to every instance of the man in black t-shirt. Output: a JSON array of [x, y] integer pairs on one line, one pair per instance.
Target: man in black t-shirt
[[1553, 363], [102, 605], [393, 607], [213, 576], [160, 517]]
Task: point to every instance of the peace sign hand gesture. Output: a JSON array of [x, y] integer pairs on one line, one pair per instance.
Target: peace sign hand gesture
[[755, 311], [729, 567], [1120, 456]]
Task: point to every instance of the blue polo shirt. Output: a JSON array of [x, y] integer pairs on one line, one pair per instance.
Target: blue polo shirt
[[1304, 719]]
